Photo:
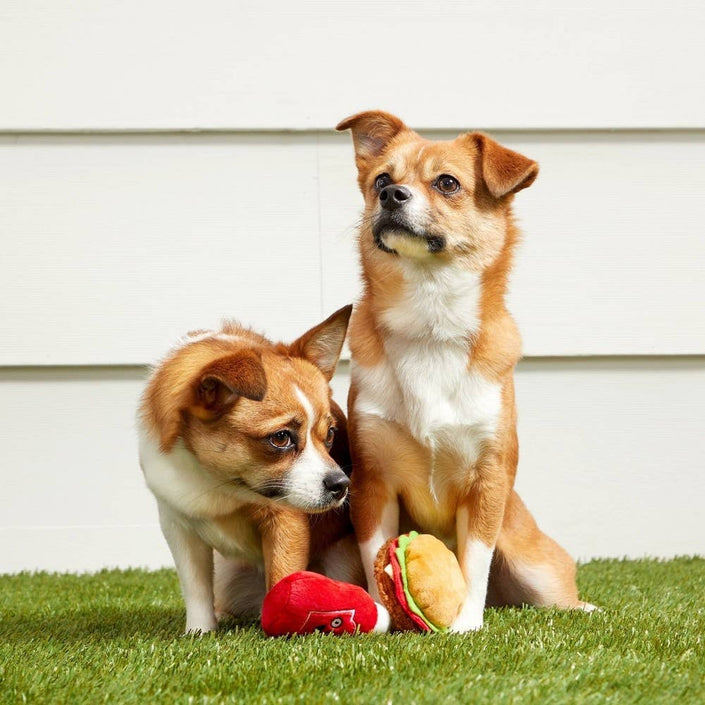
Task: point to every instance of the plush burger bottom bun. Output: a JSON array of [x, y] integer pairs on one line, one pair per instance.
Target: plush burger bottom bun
[[400, 619]]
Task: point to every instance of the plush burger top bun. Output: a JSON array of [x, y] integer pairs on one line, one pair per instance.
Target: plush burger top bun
[[433, 580]]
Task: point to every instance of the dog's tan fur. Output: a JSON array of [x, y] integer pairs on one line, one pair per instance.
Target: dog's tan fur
[[454, 480]]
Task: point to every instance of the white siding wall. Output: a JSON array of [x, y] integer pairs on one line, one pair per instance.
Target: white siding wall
[[225, 64], [164, 165]]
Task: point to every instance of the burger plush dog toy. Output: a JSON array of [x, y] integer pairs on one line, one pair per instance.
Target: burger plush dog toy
[[420, 584]]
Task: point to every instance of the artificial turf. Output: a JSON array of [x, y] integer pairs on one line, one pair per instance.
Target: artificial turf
[[114, 637]]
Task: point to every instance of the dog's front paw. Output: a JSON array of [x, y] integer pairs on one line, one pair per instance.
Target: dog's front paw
[[461, 626], [587, 607], [200, 627], [470, 619], [198, 631]]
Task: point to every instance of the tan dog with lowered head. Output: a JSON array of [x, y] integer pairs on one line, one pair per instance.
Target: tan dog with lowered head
[[431, 411], [241, 444]]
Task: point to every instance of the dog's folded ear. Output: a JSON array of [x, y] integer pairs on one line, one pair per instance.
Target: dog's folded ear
[[371, 132], [224, 380], [204, 390], [322, 344], [503, 170]]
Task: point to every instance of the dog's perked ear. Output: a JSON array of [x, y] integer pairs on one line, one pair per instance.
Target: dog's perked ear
[[322, 344], [371, 132], [503, 170], [223, 381]]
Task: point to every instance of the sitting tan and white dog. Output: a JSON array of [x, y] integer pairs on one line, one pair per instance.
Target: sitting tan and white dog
[[431, 411], [241, 443]]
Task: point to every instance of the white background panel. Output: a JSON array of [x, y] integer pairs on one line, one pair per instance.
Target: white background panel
[[230, 64], [113, 246], [610, 462], [611, 453], [79, 549], [611, 261]]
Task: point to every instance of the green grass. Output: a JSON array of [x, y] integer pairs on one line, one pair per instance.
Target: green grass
[[114, 637]]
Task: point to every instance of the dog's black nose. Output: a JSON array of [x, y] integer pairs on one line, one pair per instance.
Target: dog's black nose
[[337, 484], [393, 196]]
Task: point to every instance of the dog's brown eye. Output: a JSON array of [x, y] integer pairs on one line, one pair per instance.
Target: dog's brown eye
[[330, 436], [283, 440], [382, 180], [447, 184]]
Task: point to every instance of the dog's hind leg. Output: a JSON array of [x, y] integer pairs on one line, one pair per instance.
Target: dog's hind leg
[[529, 567], [342, 562], [238, 587]]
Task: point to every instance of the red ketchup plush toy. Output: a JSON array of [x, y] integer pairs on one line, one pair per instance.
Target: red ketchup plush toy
[[420, 585]]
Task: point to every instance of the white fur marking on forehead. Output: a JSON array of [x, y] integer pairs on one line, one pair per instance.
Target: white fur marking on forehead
[[305, 480], [308, 407]]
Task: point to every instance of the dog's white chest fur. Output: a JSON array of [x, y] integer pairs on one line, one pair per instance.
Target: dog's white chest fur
[[191, 496], [425, 382]]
